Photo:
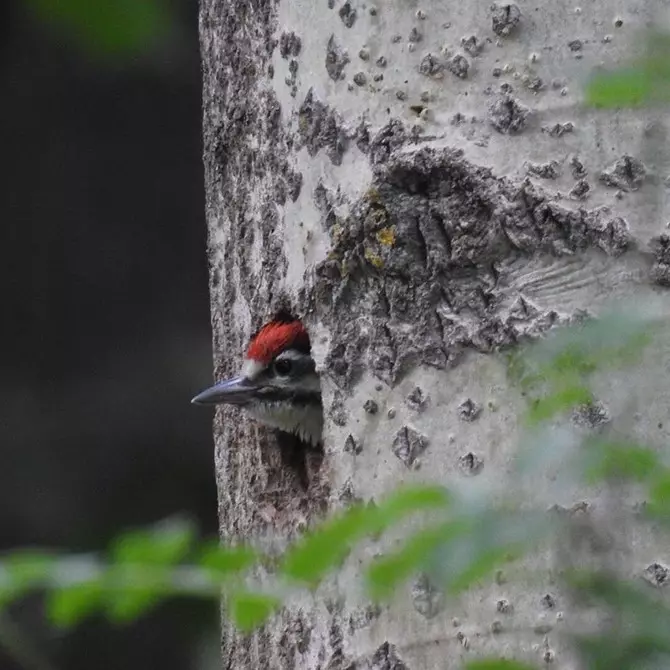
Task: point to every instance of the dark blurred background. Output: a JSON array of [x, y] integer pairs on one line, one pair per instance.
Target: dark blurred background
[[105, 325]]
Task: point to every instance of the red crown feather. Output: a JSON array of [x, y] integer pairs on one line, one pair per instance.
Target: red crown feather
[[276, 336]]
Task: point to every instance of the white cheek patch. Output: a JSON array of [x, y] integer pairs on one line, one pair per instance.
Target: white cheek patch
[[251, 368], [306, 422]]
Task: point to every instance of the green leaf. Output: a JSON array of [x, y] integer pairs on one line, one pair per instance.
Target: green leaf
[[131, 592], [575, 352], [497, 664], [389, 571], [619, 460], [68, 606], [543, 409], [22, 571], [659, 496], [138, 578], [622, 88], [226, 560], [485, 564], [643, 82], [327, 546], [27, 568], [165, 544], [623, 652], [573, 361], [409, 500], [495, 536], [124, 606], [251, 610], [642, 622], [108, 27]]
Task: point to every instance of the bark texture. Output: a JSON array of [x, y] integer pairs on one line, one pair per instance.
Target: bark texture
[[417, 181]]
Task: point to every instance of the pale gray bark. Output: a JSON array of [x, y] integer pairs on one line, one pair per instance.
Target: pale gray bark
[[418, 181]]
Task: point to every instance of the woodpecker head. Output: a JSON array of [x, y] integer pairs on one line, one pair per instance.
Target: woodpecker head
[[278, 384]]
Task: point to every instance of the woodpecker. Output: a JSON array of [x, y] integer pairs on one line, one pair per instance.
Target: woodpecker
[[278, 384]]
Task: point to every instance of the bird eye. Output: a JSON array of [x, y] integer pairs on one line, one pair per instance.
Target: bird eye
[[282, 367]]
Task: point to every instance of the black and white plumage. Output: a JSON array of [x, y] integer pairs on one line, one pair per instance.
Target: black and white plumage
[[278, 384]]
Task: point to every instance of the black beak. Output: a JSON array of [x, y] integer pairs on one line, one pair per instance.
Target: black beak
[[237, 391]]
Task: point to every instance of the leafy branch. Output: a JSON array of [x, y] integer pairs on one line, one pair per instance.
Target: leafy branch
[[461, 541], [144, 567]]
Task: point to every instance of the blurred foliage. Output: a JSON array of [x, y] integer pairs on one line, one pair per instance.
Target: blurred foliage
[[108, 28], [638, 635], [325, 548], [497, 664], [554, 373], [458, 537], [142, 567], [643, 82]]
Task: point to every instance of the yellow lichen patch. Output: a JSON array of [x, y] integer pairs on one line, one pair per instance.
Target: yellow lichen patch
[[372, 258], [336, 232], [373, 196], [386, 236]]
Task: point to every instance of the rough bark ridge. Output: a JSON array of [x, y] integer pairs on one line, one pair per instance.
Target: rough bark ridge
[[428, 247]]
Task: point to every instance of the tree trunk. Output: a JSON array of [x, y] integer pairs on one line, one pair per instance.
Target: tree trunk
[[417, 181]]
